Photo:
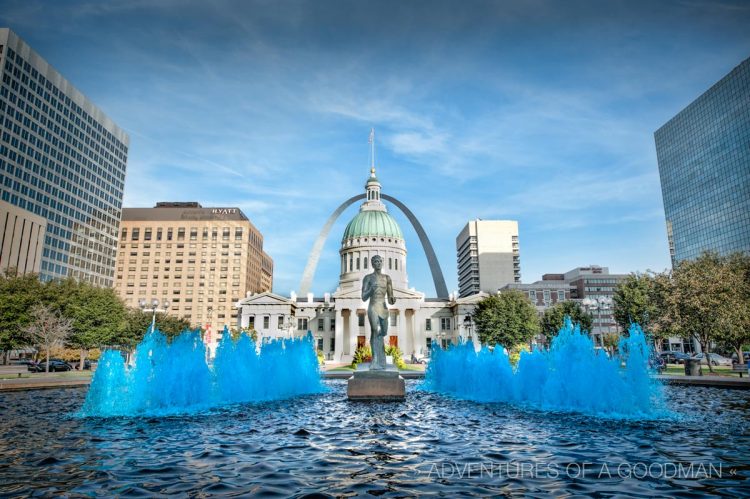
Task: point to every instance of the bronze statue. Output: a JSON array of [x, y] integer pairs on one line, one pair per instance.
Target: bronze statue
[[377, 287]]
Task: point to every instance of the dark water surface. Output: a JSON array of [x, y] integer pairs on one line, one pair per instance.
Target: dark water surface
[[429, 444]]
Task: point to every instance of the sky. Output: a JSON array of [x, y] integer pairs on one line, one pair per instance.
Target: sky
[[537, 111]]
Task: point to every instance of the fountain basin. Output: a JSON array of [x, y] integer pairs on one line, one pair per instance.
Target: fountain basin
[[429, 444]]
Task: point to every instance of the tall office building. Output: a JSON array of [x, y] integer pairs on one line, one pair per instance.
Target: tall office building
[[21, 239], [62, 159], [202, 260], [704, 165], [488, 257]]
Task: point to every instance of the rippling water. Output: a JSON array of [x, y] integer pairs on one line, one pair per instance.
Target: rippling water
[[428, 444]]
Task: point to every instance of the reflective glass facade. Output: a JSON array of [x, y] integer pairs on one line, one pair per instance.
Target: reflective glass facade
[[60, 158], [704, 165]]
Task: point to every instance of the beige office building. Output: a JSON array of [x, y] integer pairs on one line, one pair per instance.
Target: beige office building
[[488, 256], [202, 260], [21, 239]]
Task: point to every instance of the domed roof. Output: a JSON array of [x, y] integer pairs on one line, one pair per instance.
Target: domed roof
[[372, 223]]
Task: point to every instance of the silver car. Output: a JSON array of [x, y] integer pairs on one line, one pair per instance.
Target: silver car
[[716, 359]]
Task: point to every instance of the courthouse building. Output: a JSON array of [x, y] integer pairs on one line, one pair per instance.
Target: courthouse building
[[338, 320]]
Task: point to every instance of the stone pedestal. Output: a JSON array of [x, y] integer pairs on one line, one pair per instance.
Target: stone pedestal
[[376, 385]]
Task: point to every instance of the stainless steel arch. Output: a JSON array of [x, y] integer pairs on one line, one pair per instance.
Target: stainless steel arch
[[312, 262], [437, 273]]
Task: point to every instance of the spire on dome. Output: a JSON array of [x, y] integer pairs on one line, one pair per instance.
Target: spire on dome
[[372, 152]]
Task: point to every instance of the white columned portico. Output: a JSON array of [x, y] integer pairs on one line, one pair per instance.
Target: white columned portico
[[339, 336]]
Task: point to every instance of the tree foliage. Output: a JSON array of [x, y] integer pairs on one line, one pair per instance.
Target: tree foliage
[[695, 301], [137, 324], [553, 318], [18, 294], [735, 324], [634, 302], [507, 319]]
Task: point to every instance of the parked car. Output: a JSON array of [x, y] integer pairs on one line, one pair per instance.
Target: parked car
[[716, 359], [55, 365], [745, 357], [673, 357]]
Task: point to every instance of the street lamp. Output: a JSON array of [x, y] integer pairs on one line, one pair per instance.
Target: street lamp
[[469, 326], [603, 303], [153, 307], [289, 326]]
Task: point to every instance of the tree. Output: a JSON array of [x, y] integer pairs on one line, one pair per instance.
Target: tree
[[611, 341], [735, 324], [18, 294], [47, 328], [694, 301], [553, 318], [138, 322], [634, 302], [98, 314], [507, 319]]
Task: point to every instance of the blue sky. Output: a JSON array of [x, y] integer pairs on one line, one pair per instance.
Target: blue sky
[[542, 112]]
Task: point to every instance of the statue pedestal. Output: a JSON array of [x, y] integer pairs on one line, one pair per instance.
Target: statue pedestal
[[376, 385]]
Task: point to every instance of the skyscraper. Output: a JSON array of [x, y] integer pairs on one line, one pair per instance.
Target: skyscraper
[[488, 256], [62, 159], [201, 260], [704, 165]]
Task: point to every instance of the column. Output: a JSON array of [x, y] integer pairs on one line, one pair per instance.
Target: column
[[339, 336]]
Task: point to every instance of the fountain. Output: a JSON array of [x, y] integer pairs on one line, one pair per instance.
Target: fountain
[[174, 378], [570, 376]]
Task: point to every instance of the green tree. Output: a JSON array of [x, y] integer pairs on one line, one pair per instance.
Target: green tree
[[98, 316], [553, 318], [611, 341], [508, 319], [694, 301], [735, 324], [138, 322], [18, 294], [634, 302]]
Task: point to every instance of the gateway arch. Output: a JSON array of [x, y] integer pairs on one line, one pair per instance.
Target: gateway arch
[[312, 262]]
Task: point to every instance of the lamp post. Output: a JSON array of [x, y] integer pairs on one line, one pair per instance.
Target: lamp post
[[469, 326], [289, 326], [600, 304], [153, 307]]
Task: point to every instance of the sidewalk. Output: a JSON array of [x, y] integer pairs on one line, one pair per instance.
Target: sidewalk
[[712, 381], [43, 381]]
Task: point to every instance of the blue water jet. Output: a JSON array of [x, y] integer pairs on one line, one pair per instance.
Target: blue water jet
[[570, 376], [174, 377]]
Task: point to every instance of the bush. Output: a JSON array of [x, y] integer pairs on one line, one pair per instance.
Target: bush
[[395, 352], [515, 353], [362, 354]]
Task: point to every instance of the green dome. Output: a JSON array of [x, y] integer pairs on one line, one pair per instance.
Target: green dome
[[372, 223]]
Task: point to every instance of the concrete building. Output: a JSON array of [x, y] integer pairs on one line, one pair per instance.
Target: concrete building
[[704, 166], [21, 239], [593, 287], [543, 294], [338, 320], [62, 159], [488, 256], [203, 260]]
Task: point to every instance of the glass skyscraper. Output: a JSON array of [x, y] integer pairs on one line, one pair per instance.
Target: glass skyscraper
[[62, 159], [704, 165]]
